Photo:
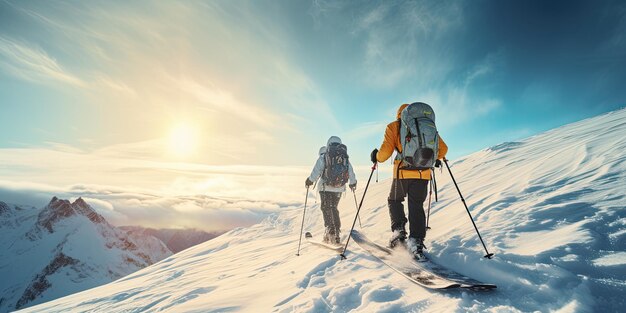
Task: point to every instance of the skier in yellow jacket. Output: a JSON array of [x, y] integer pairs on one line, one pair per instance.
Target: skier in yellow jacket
[[413, 183]]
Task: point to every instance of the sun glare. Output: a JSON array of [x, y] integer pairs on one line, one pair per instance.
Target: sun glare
[[183, 140]]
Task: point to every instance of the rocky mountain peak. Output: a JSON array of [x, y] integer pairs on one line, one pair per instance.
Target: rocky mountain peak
[[4, 208], [85, 209], [80, 202], [55, 211], [59, 209]]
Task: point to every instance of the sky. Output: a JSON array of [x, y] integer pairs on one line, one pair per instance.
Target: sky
[[209, 114]]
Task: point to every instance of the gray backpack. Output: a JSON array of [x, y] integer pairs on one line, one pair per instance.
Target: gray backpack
[[336, 166], [418, 137]]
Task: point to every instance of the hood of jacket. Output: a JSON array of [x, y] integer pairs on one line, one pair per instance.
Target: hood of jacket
[[333, 139], [402, 108], [322, 150]]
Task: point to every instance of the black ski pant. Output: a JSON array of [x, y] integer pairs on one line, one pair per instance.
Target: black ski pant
[[416, 189], [330, 200]]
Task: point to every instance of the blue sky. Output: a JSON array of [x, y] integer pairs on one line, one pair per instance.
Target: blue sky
[[494, 71], [265, 83]]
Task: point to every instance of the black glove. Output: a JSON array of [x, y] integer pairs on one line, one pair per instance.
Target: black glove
[[438, 163], [373, 156], [308, 182], [352, 186]]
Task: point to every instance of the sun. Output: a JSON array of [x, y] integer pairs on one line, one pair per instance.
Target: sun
[[183, 140]]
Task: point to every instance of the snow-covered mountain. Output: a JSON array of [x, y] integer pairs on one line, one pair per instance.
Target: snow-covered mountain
[[176, 239], [551, 208], [62, 249]]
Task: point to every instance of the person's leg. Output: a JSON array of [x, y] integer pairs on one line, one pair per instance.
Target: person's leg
[[332, 214], [325, 199], [396, 211], [417, 192], [335, 212], [396, 208]]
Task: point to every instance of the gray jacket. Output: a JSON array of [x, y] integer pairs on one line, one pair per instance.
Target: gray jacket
[[318, 170]]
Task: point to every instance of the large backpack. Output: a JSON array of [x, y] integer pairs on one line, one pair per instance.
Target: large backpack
[[418, 137], [336, 165]]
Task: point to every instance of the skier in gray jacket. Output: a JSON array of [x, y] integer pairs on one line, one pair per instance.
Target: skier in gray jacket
[[337, 170]]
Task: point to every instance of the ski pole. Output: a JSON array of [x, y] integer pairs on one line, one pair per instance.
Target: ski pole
[[315, 184], [357, 206], [376, 174], [488, 255], [435, 184], [343, 254], [303, 213], [430, 193]]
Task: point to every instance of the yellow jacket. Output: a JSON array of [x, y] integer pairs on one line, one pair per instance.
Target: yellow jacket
[[392, 142]]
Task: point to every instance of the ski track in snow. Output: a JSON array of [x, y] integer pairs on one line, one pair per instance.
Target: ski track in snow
[[550, 207]]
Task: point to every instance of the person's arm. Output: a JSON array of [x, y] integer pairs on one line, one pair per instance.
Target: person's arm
[[351, 174], [443, 149], [318, 169], [389, 143]]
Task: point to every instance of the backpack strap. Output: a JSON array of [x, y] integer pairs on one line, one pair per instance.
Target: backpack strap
[[419, 134], [399, 132]]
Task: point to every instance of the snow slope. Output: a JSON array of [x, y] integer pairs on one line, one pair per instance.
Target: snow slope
[[175, 239], [550, 207], [64, 248]]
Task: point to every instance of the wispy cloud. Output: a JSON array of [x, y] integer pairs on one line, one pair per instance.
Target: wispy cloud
[[63, 147], [403, 40], [115, 86], [33, 64], [211, 97], [237, 75], [407, 48], [456, 106], [366, 131], [457, 101]]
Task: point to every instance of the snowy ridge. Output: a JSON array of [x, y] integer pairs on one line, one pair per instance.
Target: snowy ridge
[[175, 239], [63, 248], [550, 207]]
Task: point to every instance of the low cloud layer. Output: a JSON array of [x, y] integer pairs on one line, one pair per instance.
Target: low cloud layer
[[130, 191], [122, 207]]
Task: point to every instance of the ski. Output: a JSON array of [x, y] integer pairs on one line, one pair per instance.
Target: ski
[[337, 248], [424, 272]]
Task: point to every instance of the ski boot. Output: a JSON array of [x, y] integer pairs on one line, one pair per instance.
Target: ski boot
[[329, 235], [337, 238], [416, 248], [398, 237], [325, 238]]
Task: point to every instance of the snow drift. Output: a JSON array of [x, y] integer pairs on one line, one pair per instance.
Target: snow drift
[[550, 207]]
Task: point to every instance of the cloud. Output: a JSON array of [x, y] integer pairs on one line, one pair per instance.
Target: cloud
[[403, 40], [129, 188], [212, 96], [415, 49], [63, 147], [260, 136], [229, 66], [456, 105], [115, 86], [33, 64], [458, 102], [366, 131], [134, 208]]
